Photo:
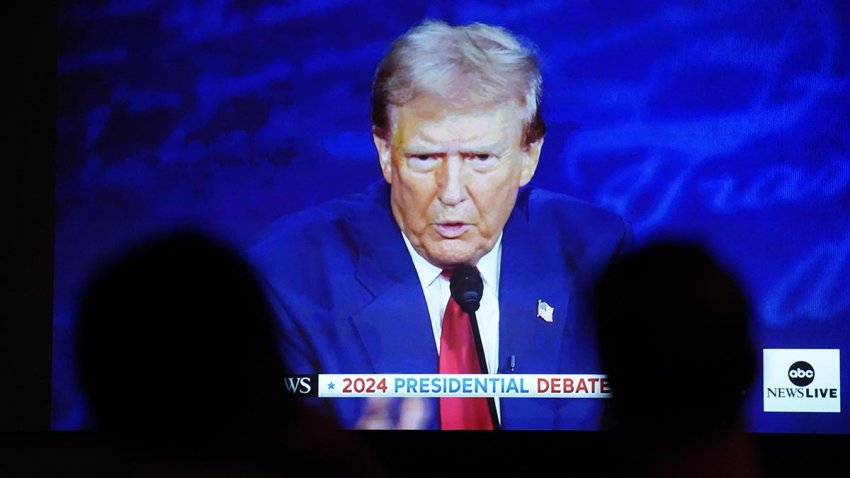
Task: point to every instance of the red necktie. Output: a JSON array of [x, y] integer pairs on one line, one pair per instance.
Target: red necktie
[[458, 355]]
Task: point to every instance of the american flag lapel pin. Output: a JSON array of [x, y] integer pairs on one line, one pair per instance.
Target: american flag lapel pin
[[545, 311]]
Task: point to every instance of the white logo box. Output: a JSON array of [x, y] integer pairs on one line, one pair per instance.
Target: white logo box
[[823, 394]]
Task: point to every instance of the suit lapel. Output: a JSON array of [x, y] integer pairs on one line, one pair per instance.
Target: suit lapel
[[528, 274], [395, 327]]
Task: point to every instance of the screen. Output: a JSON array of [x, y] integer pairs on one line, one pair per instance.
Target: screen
[[723, 123]]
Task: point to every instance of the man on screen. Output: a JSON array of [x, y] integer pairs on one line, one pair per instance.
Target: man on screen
[[361, 283]]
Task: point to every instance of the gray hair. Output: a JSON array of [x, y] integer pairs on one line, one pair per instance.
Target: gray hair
[[467, 65]]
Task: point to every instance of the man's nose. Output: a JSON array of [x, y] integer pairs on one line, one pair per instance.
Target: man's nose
[[451, 182]]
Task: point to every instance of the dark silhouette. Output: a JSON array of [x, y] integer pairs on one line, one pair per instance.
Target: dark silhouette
[[674, 339], [177, 356]]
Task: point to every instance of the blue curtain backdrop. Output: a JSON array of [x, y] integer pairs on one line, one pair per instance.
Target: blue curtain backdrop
[[727, 122]]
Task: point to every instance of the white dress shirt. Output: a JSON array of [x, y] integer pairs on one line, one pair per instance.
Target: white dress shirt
[[437, 293]]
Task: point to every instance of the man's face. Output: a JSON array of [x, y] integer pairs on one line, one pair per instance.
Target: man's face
[[454, 176]]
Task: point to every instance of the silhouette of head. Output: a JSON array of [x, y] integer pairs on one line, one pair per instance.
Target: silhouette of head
[[674, 340], [176, 347]]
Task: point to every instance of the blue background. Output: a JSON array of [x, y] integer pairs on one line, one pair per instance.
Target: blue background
[[726, 122]]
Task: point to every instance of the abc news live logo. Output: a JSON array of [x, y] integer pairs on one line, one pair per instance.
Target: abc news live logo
[[802, 380]]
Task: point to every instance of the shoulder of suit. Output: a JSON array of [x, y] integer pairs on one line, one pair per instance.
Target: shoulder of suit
[[586, 235], [326, 215], [562, 209], [326, 225]]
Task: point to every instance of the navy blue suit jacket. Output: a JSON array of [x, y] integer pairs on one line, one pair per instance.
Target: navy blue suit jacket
[[349, 299]]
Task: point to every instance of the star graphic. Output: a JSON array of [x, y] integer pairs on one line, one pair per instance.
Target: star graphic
[[331, 385]]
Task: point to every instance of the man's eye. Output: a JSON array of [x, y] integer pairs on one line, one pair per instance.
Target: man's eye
[[481, 157], [423, 162]]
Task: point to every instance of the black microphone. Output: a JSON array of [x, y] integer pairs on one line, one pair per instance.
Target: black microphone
[[467, 288]]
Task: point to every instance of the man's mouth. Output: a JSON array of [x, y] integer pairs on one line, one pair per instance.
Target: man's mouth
[[451, 230]]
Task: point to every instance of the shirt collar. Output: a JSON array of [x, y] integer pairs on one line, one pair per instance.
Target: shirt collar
[[488, 266]]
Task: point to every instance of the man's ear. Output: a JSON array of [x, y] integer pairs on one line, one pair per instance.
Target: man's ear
[[384, 156], [530, 154]]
